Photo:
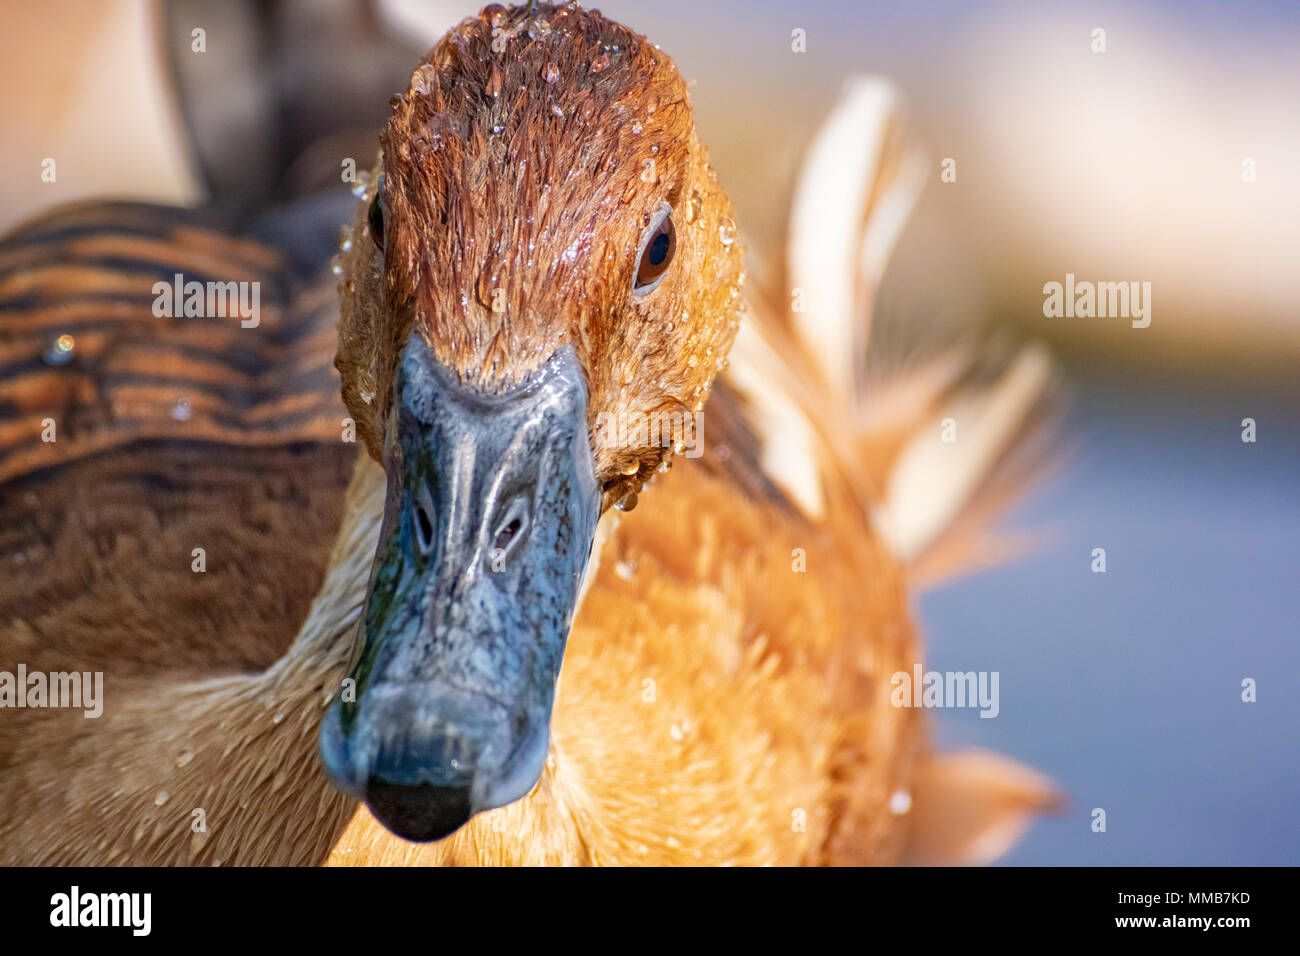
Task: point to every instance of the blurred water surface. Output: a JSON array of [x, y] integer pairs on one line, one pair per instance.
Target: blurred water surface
[[1125, 687]]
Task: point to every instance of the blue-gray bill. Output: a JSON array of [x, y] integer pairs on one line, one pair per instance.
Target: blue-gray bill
[[489, 519]]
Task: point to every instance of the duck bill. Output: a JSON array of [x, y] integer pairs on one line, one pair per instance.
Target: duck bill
[[490, 515]]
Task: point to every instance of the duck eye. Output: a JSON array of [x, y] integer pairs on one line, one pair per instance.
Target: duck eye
[[657, 250], [375, 218]]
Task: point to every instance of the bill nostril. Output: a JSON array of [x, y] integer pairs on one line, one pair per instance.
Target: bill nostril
[[512, 527], [423, 523], [419, 812], [507, 534]]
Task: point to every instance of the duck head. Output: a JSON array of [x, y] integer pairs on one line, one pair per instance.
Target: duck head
[[540, 284]]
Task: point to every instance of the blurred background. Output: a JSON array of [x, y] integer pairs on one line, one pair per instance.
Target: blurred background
[[1173, 157]]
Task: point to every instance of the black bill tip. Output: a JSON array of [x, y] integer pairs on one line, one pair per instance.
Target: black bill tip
[[419, 812]]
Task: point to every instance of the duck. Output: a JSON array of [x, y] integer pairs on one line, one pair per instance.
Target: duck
[[525, 534]]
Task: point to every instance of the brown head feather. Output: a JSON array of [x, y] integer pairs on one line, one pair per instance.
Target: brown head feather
[[521, 170]]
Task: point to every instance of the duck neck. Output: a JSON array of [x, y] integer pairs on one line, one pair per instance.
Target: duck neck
[[315, 662], [238, 750]]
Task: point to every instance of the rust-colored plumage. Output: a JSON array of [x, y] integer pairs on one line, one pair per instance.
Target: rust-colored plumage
[[724, 697]]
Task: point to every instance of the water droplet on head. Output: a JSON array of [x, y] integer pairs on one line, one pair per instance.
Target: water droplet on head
[[181, 410], [551, 72], [727, 230], [422, 79], [900, 802], [600, 64], [693, 206], [161, 798], [625, 569]]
